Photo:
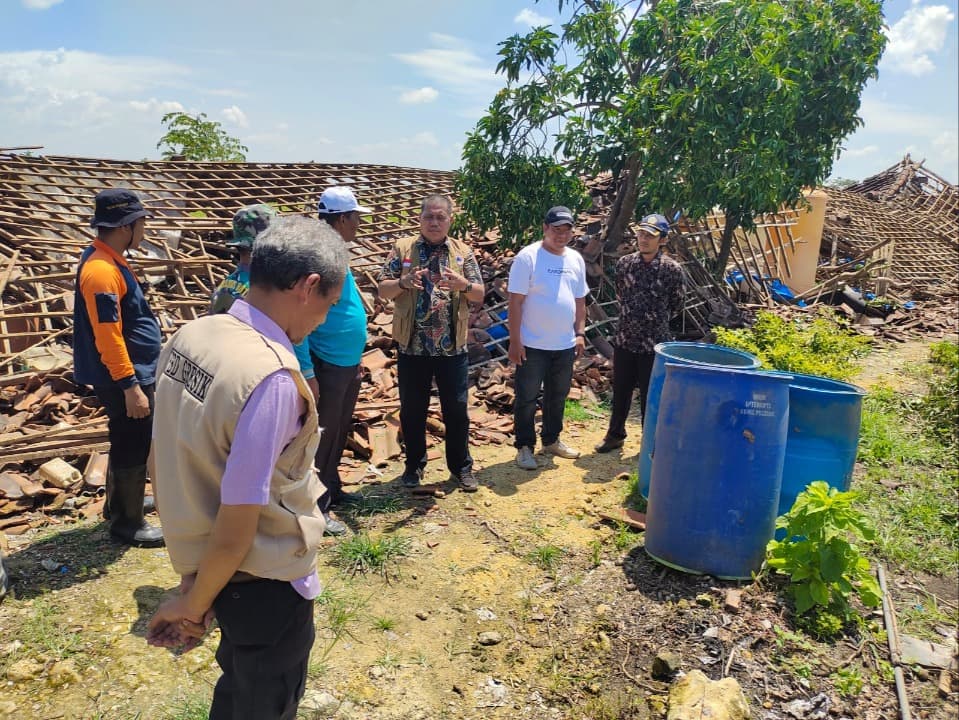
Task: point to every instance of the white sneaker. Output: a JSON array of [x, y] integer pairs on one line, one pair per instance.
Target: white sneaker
[[525, 459], [559, 449]]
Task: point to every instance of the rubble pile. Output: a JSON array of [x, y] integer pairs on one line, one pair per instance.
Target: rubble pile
[[45, 206]]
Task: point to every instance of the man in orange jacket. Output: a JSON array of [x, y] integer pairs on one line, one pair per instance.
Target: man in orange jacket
[[116, 344]]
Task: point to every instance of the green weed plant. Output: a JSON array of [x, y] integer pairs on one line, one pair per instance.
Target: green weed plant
[[823, 346], [940, 406], [821, 558], [365, 553]]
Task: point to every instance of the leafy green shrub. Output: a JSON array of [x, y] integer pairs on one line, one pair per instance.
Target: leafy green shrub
[[825, 568], [940, 406], [822, 346]]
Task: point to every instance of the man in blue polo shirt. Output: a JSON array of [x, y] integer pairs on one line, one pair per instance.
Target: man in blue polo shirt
[[330, 359]]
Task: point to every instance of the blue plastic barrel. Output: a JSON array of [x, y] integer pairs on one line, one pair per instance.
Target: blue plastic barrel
[[720, 447], [824, 421], [684, 353]]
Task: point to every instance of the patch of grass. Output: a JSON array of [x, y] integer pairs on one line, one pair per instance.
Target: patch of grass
[[191, 707], [633, 498], [365, 553], [940, 406], [910, 485], [43, 633], [370, 505], [384, 623], [342, 610], [576, 412], [546, 557], [624, 538], [389, 660]]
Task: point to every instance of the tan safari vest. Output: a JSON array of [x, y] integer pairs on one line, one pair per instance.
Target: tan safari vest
[[206, 373], [404, 306]]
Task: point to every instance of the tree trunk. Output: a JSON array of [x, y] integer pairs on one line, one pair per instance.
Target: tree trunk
[[624, 206], [730, 223]]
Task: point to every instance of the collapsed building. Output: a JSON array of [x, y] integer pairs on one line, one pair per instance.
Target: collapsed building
[[875, 248]]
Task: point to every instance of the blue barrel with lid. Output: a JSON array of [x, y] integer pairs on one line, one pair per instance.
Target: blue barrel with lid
[[685, 353], [720, 448], [824, 421]]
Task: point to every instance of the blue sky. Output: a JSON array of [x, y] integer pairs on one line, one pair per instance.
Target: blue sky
[[364, 81]]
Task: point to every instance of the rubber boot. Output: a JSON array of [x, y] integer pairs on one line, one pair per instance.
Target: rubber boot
[[149, 502], [125, 498]]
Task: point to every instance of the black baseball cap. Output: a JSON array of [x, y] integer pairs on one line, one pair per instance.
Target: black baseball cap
[[559, 215], [117, 207]]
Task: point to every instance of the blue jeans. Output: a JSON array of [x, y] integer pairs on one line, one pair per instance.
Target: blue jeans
[[551, 370], [416, 374]]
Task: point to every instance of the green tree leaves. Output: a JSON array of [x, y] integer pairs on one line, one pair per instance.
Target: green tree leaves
[[196, 138], [690, 104]]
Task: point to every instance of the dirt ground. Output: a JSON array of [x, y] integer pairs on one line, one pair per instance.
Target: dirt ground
[[517, 601]]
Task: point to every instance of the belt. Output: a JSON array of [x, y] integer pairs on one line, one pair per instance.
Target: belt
[[244, 577]]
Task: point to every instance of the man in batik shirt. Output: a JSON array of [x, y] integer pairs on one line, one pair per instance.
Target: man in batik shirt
[[649, 286], [432, 279]]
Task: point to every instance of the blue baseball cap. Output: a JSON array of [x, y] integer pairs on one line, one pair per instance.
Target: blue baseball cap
[[656, 224]]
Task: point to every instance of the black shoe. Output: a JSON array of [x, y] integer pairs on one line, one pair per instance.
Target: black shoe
[[333, 526], [349, 498], [143, 535], [609, 444], [412, 479], [468, 481]]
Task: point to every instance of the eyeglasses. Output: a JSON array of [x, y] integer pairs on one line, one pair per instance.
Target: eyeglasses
[[440, 218]]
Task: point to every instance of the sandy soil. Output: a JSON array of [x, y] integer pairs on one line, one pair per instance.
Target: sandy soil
[[574, 641]]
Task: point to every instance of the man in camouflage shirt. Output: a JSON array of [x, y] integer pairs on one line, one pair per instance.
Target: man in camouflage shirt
[[649, 286], [248, 222]]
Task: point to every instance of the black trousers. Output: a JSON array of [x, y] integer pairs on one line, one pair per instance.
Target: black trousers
[[339, 388], [630, 370], [129, 438], [266, 633], [551, 370], [416, 375]]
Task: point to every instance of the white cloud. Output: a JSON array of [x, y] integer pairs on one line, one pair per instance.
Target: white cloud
[[919, 33], [425, 138], [453, 66], [73, 101], [156, 107], [235, 116], [419, 96], [861, 152], [946, 145], [531, 18], [40, 4], [884, 117]]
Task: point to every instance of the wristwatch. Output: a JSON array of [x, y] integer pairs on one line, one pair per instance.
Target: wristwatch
[[582, 335]]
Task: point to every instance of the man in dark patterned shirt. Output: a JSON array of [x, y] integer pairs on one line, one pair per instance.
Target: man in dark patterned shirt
[[650, 290], [432, 279]]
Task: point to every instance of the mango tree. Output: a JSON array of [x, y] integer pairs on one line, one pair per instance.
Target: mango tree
[[692, 105]]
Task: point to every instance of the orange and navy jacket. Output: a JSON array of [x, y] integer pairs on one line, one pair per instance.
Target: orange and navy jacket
[[116, 338]]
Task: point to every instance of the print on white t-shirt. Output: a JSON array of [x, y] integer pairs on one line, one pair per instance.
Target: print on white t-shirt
[[551, 284]]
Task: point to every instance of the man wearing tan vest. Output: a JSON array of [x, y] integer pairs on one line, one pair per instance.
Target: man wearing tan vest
[[433, 278], [234, 440]]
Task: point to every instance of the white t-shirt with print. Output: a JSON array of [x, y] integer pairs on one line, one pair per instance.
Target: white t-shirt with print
[[551, 284]]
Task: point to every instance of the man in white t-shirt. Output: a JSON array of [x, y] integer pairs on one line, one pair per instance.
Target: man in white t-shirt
[[547, 316]]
